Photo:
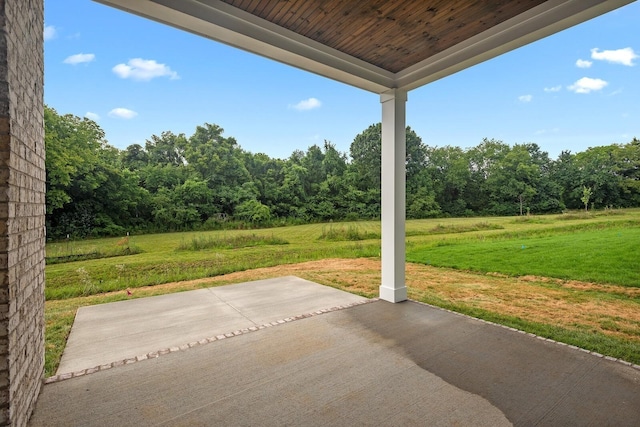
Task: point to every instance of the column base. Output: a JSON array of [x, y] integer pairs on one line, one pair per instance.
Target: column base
[[393, 295]]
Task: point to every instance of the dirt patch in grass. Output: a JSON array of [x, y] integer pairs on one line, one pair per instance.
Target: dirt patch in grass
[[569, 304]]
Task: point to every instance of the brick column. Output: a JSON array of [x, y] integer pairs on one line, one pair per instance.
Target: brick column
[[22, 208]]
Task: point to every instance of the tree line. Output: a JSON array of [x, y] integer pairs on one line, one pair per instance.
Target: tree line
[[207, 181]]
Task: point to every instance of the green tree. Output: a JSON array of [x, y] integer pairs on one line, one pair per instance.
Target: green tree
[[521, 180], [89, 190], [253, 211], [365, 151], [334, 162], [364, 174], [71, 145], [154, 177], [267, 177], [294, 194], [483, 161], [628, 169], [599, 170], [566, 174], [134, 157], [220, 162], [586, 196], [448, 168], [313, 162], [166, 149]]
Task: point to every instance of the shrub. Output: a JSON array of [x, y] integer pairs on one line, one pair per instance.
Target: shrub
[[341, 234], [239, 241]]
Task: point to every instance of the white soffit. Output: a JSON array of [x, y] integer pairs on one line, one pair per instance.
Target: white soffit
[[221, 22]]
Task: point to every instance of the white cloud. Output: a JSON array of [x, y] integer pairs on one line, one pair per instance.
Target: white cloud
[[545, 131], [50, 32], [122, 113], [144, 70], [79, 58], [92, 116], [583, 63], [525, 98], [553, 89], [587, 85], [307, 104], [624, 56]]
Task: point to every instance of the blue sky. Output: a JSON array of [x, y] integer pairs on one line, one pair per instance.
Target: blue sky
[[577, 89]]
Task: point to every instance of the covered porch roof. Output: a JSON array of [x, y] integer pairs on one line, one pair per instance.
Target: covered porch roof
[[375, 45]]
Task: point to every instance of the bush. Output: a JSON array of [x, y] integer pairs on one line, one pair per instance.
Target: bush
[[239, 241], [341, 234]]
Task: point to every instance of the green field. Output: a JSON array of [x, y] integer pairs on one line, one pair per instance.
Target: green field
[[606, 254], [163, 257], [597, 248], [471, 265]]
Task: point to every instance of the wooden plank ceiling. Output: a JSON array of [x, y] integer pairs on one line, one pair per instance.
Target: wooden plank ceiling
[[391, 34], [376, 45]]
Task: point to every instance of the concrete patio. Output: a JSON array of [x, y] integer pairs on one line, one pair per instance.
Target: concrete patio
[[298, 353], [106, 333]]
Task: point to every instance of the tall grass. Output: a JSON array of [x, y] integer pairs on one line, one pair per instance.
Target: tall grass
[[346, 233], [456, 228], [69, 252], [200, 243]]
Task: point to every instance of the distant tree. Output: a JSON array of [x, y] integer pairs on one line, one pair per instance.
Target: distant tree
[[180, 183], [329, 201], [364, 174], [586, 196], [334, 162], [597, 171], [252, 211], [448, 169], [366, 158], [313, 162], [220, 162], [522, 177], [566, 174], [267, 177], [72, 144], [166, 149], [134, 157], [294, 189], [483, 161], [628, 169], [89, 192]]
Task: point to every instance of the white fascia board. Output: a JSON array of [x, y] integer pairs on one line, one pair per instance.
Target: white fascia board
[[542, 21], [221, 22]]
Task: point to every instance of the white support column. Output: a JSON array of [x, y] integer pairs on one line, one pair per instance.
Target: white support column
[[393, 287]]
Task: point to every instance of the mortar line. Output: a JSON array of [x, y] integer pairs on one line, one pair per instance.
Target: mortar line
[[230, 305]]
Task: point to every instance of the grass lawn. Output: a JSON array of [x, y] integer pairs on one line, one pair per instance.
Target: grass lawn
[[601, 255], [572, 278]]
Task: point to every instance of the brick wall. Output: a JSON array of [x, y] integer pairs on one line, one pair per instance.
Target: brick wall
[[22, 208]]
